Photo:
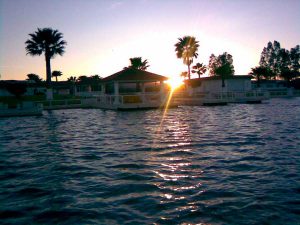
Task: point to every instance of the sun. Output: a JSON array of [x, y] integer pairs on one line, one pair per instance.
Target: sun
[[175, 82]]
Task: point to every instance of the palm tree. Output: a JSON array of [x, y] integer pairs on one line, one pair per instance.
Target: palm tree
[[184, 75], [56, 73], [138, 63], [72, 79], [186, 48], [199, 68], [49, 42]]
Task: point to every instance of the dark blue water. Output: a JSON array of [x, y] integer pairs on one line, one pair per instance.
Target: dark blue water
[[235, 164]]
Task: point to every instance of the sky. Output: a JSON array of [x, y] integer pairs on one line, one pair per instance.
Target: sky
[[102, 35]]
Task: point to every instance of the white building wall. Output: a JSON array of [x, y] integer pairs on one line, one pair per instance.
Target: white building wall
[[209, 86], [238, 85], [212, 85], [231, 85], [248, 85]]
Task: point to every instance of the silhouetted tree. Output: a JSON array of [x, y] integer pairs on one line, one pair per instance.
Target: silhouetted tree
[[49, 42], [289, 64], [270, 57], [199, 68], [296, 83], [56, 73], [221, 66], [72, 79], [96, 77], [138, 63], [289, 75], [184, 75], [186, 48], [216, 62], [279, 60], [260, 72], [83, 79], [295, 58], [34, 77]]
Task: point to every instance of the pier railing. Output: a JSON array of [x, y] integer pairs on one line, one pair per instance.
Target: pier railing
[[104, 100], [230, 96], [224, 97]]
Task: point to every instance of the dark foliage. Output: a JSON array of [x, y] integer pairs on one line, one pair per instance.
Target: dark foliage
[[200, 69], [138, 63], [296, 83], [260, 72], [222, 66], [34, 77], [283, 63], [15, 88]]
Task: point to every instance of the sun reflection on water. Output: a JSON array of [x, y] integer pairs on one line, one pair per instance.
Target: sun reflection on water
[[172, 160]]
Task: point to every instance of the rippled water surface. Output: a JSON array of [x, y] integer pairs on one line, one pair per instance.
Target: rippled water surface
[[235, 164]]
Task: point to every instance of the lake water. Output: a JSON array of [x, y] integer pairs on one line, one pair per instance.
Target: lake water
[[235, 164]]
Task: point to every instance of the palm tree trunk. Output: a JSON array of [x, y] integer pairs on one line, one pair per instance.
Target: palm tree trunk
[[56, 78], [189, 71], [48, 71]]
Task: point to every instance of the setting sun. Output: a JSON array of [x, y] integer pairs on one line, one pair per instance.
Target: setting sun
[[175, 82]]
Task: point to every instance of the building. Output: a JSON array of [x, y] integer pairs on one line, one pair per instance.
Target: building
[[131, 89], [211, 91], [237, 83]]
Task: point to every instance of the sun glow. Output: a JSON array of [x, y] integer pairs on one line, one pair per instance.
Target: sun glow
[[175, 82]]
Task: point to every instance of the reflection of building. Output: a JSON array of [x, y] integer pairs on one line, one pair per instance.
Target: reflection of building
[[131, 88]]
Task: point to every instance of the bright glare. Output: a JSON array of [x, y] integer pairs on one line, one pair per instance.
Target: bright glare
[[175, 82]]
